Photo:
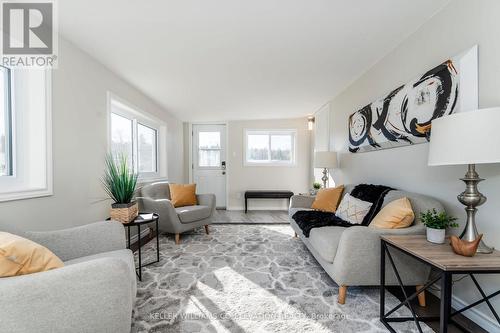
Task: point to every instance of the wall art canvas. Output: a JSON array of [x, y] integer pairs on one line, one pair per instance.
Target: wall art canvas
[[403, 116]]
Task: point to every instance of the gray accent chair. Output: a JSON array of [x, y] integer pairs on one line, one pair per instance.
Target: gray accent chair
[[156, 198], [351, 256], [94, 292]]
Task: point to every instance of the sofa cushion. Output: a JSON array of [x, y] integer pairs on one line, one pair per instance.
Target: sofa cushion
[[325, 241], [188, 214]]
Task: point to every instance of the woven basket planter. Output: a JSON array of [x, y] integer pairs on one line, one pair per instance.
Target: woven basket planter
[[124, 213]]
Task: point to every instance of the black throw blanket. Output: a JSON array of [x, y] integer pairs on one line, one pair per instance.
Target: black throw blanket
[[309, 219]]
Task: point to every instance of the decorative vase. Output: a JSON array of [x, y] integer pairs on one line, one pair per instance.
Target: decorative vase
[[463, 247], [436, 235], [124, 213]]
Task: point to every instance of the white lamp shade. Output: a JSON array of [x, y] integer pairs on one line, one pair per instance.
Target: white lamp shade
[[325, 159], [466, 138]]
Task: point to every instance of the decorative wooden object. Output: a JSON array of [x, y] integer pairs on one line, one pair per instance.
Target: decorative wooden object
[[463, 247], [124, 213]]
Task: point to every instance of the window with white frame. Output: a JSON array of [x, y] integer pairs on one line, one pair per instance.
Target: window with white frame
[[5, 123], [25, 134], [270, 147], [136, 135]]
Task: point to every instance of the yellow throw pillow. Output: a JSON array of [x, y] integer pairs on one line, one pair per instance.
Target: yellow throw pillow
[[396, 215], [327, 199], [19, 256], [183, 195]]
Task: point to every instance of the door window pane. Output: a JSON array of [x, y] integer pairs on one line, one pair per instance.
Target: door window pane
[[209, 140], [281, 147], [146, 148], [121, 137], [208, 158], [257, 147], [5, 124]]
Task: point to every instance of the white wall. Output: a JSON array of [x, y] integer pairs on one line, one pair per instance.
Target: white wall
[[79, 113], [241, 178], [459, 26]]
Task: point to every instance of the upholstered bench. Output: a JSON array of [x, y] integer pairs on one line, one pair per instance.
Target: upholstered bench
[[266, 194]]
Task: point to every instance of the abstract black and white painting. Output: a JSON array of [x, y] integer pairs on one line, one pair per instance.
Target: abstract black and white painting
[[404, 116]]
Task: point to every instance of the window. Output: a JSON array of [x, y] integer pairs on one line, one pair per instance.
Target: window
[[209, 149], [25, 134], [5, 123], [270, 147], [137, 135]]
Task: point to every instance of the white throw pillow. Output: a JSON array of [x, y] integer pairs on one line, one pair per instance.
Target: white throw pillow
[[352, 209]]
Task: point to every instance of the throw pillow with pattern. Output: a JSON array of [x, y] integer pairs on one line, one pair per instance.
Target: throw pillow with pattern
[[353, 210]]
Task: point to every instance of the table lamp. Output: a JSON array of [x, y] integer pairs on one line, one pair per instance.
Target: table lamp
[[467, 138], [326, 160]]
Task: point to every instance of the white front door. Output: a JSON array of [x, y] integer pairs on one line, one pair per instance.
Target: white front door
[[209, 161]]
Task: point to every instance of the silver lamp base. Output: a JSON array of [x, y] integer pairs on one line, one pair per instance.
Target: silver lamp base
[[472, 198], [325, 177]]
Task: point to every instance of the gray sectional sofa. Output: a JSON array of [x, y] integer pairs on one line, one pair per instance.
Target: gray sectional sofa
[[351, 256]]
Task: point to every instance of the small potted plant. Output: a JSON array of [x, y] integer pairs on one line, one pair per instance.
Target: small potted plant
[[119, 183], [316, 188], [436, 224]]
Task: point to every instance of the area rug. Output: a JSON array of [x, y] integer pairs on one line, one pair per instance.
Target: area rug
[[249, 278]]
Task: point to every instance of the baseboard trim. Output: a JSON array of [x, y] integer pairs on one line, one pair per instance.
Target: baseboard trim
[[473, 314], [476, 316], [134, 238]]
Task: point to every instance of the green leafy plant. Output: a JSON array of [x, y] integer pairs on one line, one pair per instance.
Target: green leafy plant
[[435, 220], [118, 180], [316, 185]]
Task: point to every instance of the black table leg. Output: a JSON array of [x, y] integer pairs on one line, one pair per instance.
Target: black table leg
[[139, 243], [445, 308], [382, 280], [128, 236], [157, 242], [246, 205]]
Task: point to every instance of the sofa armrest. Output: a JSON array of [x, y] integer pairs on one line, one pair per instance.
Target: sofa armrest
[[163, 207], [206, 200], [82, 241], [301, 201], [92, 296], [357, 261]]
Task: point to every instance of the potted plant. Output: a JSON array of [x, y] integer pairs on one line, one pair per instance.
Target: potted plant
[[436, 224], [120, 183], [315, 189]]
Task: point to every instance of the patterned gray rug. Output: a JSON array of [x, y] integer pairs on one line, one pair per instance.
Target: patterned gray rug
[[248, 278]]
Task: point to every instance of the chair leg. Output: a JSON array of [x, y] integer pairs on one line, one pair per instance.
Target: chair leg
[[206, 229], [177, 239], [421, 297], [295, 236], [342, 294]]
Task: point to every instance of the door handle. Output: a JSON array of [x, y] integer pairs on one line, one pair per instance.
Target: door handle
[[223, 165]]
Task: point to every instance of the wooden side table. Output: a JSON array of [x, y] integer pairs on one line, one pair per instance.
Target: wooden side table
[[442, 258]]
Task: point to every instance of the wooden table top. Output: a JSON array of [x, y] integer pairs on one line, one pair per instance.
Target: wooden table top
[[442, 255]]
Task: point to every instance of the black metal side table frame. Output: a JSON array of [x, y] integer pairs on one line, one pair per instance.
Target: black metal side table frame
[[137, 223], [446, 315]]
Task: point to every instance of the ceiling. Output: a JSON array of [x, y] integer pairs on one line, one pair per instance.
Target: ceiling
[[232, 59]]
